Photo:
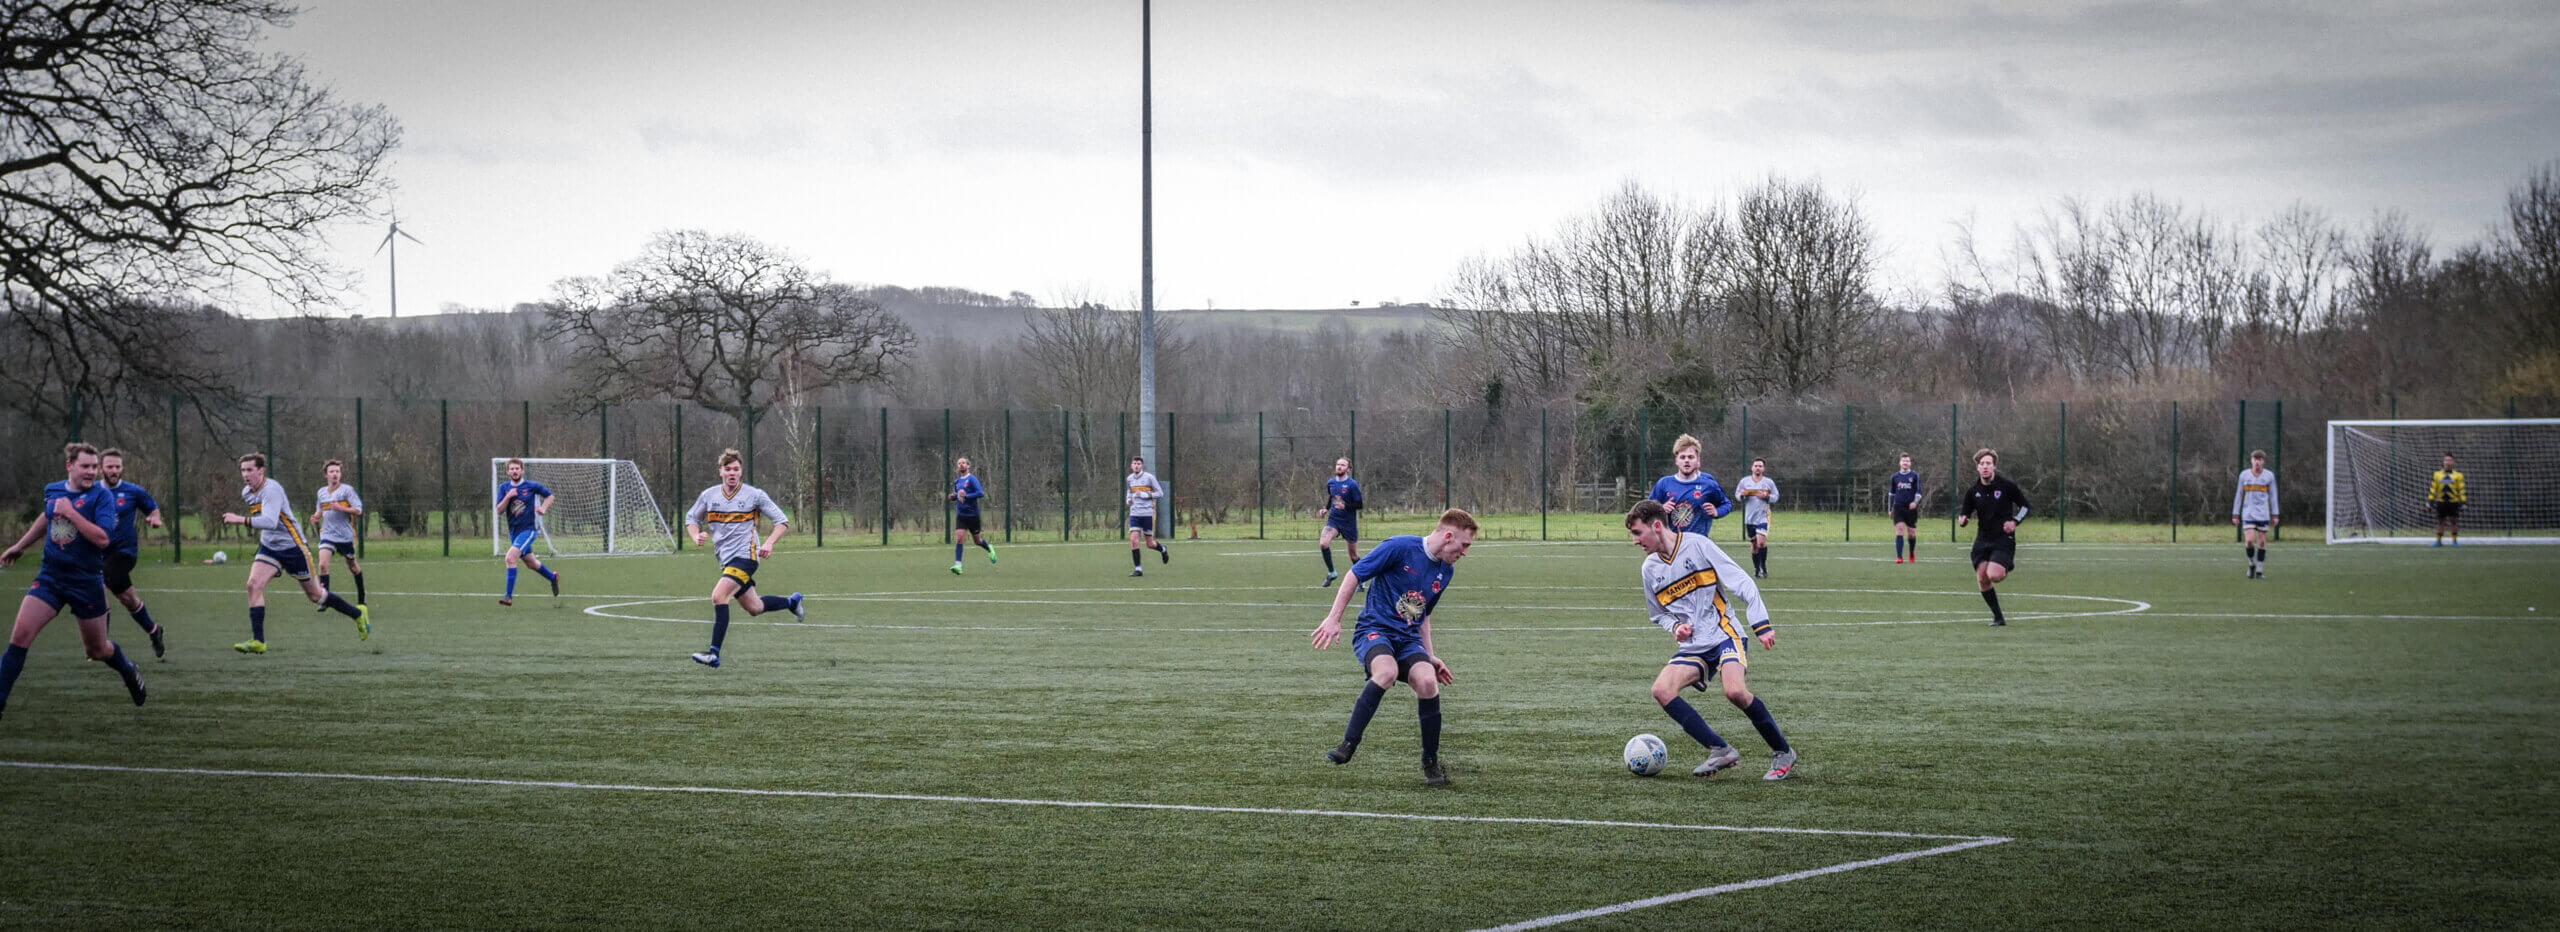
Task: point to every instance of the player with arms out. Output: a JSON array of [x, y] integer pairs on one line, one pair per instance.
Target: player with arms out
[[731, 509], [2447, 494], [523, 502], [338, 506], [77, 524], [1341, 514], [1692, 497], [134, 508], [280, 550], [2254, 510], [1758, 492], [1143, 492], [1902, 502], [1406, 577], [1687, 582], [967, 490], [2000, 505]]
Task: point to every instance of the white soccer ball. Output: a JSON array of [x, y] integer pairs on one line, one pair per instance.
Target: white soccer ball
[[1646, 755], [221, 557]]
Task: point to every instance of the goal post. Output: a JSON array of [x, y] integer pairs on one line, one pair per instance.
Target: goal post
[[2379, 472], [598, 507]]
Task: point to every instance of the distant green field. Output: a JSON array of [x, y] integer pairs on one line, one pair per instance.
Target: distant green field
[[2366, 738]]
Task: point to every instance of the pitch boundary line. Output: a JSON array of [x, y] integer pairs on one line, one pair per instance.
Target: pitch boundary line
[[988, 800], [1669, 898]]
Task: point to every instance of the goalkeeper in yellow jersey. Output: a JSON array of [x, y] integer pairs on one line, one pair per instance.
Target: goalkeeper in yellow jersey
[[2446, 493]]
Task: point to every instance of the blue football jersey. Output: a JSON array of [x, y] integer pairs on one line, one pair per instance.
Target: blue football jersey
[[1342, 498], [132, 501], [970, 492], [67, 555], [520, 514], [1404, 584], [1906, 488], [1694, 503]]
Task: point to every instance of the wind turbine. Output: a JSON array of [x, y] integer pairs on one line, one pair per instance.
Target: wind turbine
[[390, 241]]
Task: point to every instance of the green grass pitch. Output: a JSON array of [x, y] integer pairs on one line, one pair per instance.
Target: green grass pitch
[[2366, 738]]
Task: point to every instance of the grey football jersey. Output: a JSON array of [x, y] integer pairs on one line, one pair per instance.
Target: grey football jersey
[[338, 526], [731, 519]]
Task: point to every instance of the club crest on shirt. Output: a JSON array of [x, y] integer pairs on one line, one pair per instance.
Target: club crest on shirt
[[1682, 514], [1995, 493], [61, 532], [1435, 587], [1409, 605]]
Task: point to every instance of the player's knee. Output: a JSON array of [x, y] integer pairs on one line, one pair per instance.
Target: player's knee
[[1663, 693], [1426, 684], [1736, 694], [512, 560]]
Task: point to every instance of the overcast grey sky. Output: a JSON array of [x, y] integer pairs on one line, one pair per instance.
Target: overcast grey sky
[[1311, 153]]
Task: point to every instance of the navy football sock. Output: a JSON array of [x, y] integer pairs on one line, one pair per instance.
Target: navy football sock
[[1760, 719], [983, 545], [719, 625], [1760, 560], [1693, 723], [142, 616], [12, 662], [1992, 598], [360, 599], [1362, 711], [1897, 548], [956, 544], [258, 623], [777, 603], [1328, 559], [324, 581], [1133, 558], [1429, 711], [341, 605]]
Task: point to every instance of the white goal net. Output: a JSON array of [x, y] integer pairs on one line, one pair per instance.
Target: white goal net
[[598, 507], [2380, 471]]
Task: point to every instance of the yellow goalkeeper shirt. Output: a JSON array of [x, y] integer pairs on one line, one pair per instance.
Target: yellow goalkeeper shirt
[[2447, 487]]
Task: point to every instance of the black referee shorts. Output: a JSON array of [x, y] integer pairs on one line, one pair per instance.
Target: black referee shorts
[[2003, 551]]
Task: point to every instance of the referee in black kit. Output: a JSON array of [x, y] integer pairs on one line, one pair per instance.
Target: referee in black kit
[[2001, 505]]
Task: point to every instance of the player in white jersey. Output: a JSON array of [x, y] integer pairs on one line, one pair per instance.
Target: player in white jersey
[[1757, 492], [2254, 510], [1143, 492], [730, 509], [280, 550], [338, 506], [1691, 588]]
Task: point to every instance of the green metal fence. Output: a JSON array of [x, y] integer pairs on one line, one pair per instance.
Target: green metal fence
[[2097, 469]]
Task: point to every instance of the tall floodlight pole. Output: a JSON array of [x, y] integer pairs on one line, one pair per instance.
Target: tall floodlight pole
[[1146, 235]]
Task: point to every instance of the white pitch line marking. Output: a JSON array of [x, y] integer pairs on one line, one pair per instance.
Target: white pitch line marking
[[1668, 898], [985, 800]]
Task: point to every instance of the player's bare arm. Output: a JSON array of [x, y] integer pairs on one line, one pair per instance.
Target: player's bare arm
[[1440, 668], [1331, 628]]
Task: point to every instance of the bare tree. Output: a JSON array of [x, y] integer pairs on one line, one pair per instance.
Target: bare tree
[[1800, 300], [150, 153], [727, 322]]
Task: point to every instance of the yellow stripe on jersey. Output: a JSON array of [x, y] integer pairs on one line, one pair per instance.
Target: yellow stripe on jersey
[[293, 530], [1685, 585], [2254, 488], [1724, 618], [1143, 489], [729, 517]]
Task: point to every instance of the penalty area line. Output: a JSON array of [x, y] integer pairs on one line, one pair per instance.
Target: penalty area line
[[980, 800], [1669, 898]]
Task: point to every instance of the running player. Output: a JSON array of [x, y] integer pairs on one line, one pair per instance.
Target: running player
[[966, 490], [1687, 579], [1393, 640], [1143, 492], [523, 502], [77, 524], [2446, 493], [1341, 515], [2001, 505], [1693, 497], [134, 507], [1758, 492], [1903, 503], [339, 506], [280, 550], [2254, 510], [731, 508]]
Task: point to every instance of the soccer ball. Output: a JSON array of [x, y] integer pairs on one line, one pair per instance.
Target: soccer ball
[[220, 557], [1646, 755]]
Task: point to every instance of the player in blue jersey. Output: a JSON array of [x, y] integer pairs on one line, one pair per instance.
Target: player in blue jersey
[[523, 502], [134, 507], [1693, 497], [1902, 501], [1341, 514], [967, 490], [1406, 577], [77, 524], [282, 550]]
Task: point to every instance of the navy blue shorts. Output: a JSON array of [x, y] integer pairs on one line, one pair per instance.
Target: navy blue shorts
[[1406, 648], [84, 599], [1711, 661], [344, 548], [1906, 514], [1346, 529], [523, 541], [292, 562], [1750, 530], [1143, 524], [741, 569], [969, 523], [2258, 526]]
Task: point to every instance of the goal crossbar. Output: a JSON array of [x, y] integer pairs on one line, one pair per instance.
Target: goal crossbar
[[2381, 471], [599, 507]]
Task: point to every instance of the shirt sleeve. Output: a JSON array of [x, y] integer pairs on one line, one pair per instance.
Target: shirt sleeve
[[1376, 562], [271, 508], [1723, 502], [772, 509], [701, 506], [1352, 501], [149, 504], [103, 504], [1737, 583], [2239, 494], [2275, 504], [2019, 496], [354, 500], [1773, 492]]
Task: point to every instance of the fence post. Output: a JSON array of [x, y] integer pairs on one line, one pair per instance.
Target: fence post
[[1644, 438], [177, 456], [1261, 518], [1848, 439], [526, 419], [604, 430], [750, 469], [1172, 459], [884, 476], [1445, 492], [1354, 435], [1955, 471], [360, 522], [270, 448], [1544, 487], [946, 463], [1066, 492], [1746, 435], [2173, 472], [444, 467], [2062, 494], [675, 470], [2276, 466], [1008, 475], [2240, 457], [1124, 460], [818, 469]]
